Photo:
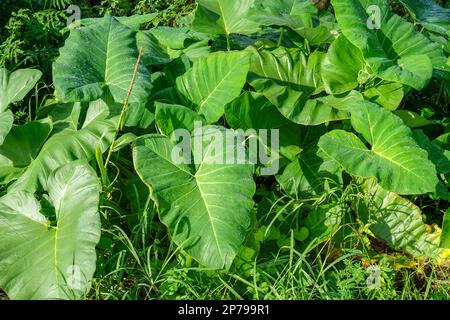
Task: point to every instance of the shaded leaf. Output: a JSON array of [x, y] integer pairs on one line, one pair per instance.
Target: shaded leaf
[[399, 223]]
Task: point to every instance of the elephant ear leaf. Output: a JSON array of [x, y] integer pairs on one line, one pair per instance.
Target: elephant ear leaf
[[429, 14], [6, 123], [68, 145], [445, 237], [392, 47], [13, 88], [215, 81], [291, 80], [341, 66], [210, 225], [224, 17], [62, 252], [289, 13], [30, 136], [399, 223], [170, 117], [394, 158], [100, 57]]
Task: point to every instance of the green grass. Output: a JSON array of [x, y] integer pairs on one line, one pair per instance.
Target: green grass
[[147, 266], [133, 271]]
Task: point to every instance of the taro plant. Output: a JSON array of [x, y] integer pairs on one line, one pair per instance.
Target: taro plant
[[13, 88], [193, 117]]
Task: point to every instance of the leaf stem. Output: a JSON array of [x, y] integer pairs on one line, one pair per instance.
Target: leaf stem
[[122, 114], [280, 39], [441, 88], [228, 42]]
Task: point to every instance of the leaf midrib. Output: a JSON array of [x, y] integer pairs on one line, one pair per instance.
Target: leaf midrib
[[224, 78]]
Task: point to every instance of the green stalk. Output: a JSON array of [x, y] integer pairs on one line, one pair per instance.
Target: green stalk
[[280, 39], [122, 114]]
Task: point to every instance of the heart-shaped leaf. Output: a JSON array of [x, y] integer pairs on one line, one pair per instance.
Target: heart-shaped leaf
[[97, 58], [15, 86], [61, 253], [342, 66], [224, 17], [394, 158], [69, 145], [206, 206], [170, 117], [214, 81], [392, 47], [30, 137]]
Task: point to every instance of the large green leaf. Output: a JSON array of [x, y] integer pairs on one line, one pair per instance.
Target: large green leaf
[[394, 158], [289, 13], [214, 81], [140, 115], [15, 86], [97, 58], [300, 16], [170, 117], [30, 137], [412, 119], [134, 22], [429, 14], [154, 53], [445, 237], [436, 153], [290, 80], [45, 259], [309, 174], [206, 206], [396, 51], [399, 223], [163, 44], [253, 111], [342, 66], [224, 17], [69, 145], [322, 223], [389, 95], [6, 123]]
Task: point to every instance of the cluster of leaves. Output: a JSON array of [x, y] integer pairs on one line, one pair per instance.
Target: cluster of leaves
[[32, 31], [334, 88], [31, 38], [172, 13]]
